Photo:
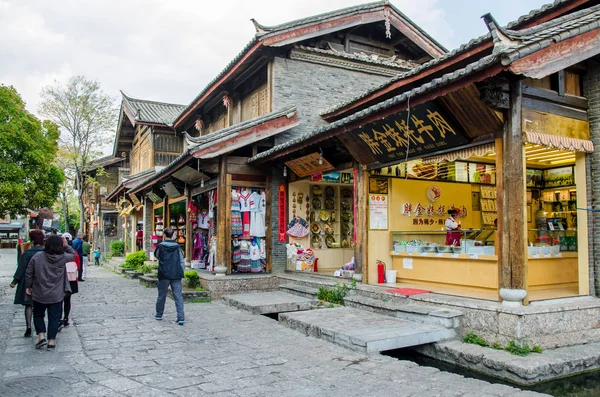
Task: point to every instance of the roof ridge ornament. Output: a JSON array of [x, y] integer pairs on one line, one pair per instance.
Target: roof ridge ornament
[[388, 25], [260, 29], [500, 36]]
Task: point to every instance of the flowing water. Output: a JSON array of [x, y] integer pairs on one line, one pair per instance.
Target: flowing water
[[586, 385]]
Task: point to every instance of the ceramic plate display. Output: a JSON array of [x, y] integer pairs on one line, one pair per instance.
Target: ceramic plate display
[[316, 204], [316, 241], [317, 191], [345, 204], [332, 216], [328, 228], [312, 216], [345, 229], [315, 227], [346, 193], [324, 215], [344, 243], [329, 240], [329, 204], [329, 192], [346, 217]]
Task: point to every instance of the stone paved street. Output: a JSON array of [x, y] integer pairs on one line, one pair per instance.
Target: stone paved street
[[114, 347]]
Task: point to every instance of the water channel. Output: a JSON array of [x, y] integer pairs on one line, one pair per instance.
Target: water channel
[[586, 385]]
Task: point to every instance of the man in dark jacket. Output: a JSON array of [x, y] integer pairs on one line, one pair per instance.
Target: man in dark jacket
[[170, 272]]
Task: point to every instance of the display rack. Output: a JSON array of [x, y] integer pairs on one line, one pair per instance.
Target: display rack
[[489, 208], [331, 216]]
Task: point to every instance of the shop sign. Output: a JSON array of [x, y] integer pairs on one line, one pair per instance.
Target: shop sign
[[425, 130], [482, 173], [282, 224], [430, 214], [306, 165], [559, 177], [378, 212], [378, 185]]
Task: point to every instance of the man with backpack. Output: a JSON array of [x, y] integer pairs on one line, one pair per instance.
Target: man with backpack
[[170, 272]]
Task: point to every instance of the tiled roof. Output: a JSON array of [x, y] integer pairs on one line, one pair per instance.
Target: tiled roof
[[526, 42], [264, 32], [362, 57], [436, 61], [104, 161], [140, 178], [224, 133], [161, 172], [430, 86], [151, 111]]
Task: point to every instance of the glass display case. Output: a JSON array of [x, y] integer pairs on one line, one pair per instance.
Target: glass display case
[[543, 241], [473, 241]]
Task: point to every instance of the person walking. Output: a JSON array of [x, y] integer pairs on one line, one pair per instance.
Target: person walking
[[170, 272], [97, 256], [36, 238], [78, 246], [85, 261], [46, 282], [64, 321]]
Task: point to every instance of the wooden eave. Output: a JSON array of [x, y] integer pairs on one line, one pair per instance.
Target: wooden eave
[[245, 137], [477, 49]]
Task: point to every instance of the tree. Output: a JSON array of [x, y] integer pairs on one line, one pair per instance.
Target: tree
[[28, 147], [85, 115]]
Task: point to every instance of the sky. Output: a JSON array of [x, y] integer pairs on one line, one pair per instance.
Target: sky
[[168, 50]]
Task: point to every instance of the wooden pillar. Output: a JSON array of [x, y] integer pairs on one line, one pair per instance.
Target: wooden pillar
[[504, 272], [582, 225], [361, 200], [222, 238], [189, 241], [513, 222], [269, 240]]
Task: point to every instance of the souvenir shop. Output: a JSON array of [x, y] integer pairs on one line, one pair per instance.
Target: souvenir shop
[[322, 221], [202, 218], [248, 229]]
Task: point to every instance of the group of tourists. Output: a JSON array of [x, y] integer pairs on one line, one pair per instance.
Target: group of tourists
[[48, 271]]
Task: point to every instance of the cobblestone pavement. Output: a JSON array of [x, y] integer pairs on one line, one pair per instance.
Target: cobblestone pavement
[[114, 347]]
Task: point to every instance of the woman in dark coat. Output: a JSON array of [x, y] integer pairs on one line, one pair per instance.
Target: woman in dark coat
[[21, 298]]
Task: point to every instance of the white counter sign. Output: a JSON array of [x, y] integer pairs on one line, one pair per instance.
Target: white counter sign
[[378, 212]]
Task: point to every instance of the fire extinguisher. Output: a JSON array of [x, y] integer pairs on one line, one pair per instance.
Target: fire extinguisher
[[380, 272]]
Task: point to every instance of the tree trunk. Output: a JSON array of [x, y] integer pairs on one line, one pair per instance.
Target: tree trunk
[[65, 211], [81, 192]]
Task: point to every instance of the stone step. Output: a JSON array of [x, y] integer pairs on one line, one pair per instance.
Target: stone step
[[300, 290], [269, 302], [364, 331], [147, 281], [133, 274], [451, 319]]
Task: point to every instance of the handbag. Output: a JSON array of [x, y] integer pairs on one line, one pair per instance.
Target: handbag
[[71, 271]]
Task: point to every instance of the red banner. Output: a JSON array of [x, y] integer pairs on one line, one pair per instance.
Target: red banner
[[355, 199], [282, 197]]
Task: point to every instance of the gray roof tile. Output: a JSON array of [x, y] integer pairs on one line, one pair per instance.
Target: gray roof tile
[[151, 111]]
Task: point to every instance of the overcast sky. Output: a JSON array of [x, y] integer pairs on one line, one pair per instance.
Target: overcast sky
[[168, 50]]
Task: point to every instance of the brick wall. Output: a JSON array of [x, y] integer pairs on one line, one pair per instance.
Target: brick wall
[[313, 88], [591, 90], [148, 214]]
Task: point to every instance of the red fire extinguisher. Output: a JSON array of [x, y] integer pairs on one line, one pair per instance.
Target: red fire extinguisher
[[380, 272]]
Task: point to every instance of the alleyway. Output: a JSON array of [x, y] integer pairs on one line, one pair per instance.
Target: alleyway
[[114, 347]]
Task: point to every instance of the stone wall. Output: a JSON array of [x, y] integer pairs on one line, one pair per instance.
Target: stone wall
[[313, 88], [591, 90]]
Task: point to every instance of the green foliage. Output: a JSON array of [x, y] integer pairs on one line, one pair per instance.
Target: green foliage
[[199, 288], [475, 340], [191, 278], [514, 348], [200, 300], [28, 177], [117, 248], [335, 294], [135, 260], [537, 349], [497, 346], [146, 269]]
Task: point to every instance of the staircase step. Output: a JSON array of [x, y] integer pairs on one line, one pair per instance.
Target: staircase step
[[300, 290], [269, 302], [364, 331], [447, 318]]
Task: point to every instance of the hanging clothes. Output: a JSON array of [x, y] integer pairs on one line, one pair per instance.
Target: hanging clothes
[[236, 219], [255, 265], [203, 220], [245, 195], [236, 254], [244, 265], [257, 217]]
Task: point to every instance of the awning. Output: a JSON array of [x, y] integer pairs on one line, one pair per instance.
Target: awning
[[461, 154], [558, 142]]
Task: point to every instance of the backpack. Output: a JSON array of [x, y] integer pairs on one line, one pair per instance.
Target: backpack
[[71, 271]]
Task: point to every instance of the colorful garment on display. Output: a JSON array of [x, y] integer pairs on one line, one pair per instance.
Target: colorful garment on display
[[244, 198], [193, 211], [244, 265], [255, 265], [258, 211], [298, 228], [236, 254], [203, 219], [246, 225], [236, 218], [212, 198]]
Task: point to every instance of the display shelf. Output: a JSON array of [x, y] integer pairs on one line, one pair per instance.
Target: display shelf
[[342, 207]]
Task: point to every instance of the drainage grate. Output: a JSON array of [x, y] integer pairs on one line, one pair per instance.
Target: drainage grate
[[33, 386]]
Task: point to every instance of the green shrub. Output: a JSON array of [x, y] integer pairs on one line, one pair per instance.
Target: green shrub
[[335, 294], [475, 340], [537, 349], [117, 248], [146, 269], [514, 348], [497, 346], [191, 278], [135, 260]]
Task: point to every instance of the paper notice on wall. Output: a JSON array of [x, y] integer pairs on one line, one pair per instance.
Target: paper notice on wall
[[378, 212], [47, 223], [407, 263]]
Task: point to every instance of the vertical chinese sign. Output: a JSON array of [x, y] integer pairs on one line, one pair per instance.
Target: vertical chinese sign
[[282, 206]]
